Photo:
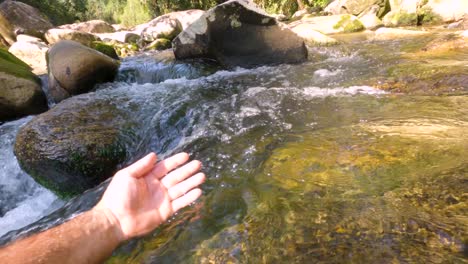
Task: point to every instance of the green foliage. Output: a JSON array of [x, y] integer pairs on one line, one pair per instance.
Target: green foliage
[[427, 16], [133, 12], [289, 7]]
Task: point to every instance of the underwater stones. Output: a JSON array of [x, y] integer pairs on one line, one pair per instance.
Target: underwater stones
[[74, 146], [22, 19], [75, 69], [237, 33], [20, 89]]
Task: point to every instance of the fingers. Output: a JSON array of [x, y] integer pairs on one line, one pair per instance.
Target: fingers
[[181, 174], [185, 200], [142, 166], [169, 164], [183, 187]]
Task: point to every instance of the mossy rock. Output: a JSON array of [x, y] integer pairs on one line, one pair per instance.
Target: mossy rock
[[5, 55], [90, 148], [349, 24], [427, 17], [20, 89], [106, 49], [399, 19], [159, 44]]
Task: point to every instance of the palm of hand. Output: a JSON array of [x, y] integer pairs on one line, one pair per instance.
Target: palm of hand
[[144, 195]]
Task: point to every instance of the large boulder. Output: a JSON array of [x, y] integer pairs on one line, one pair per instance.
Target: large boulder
[[353, 7], [403, 13], [161, 27], [23, 19], [57, 34], [370, 18], [399, 18], [121, 36], [92, 26], [75, 69], [20, 89], [448, 10], [168, 26], [32, 51], [237, 33], [76, 145], [332, 24], [312, 37], [7, 32]]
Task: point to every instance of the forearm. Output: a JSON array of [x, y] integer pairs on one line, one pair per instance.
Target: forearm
[[89, 238]]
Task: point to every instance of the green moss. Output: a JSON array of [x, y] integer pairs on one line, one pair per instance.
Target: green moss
[[427, 17], [401, 19], [348, 24], [160, 44], [105, 49], [5, 55], [12, 65]]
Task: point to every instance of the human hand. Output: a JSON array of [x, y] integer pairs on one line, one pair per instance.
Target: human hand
[[144, 195]]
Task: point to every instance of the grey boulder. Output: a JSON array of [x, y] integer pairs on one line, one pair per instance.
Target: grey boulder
[[238, 33], [76, 69]]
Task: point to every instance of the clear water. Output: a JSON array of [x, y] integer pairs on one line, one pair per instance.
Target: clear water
[[305, 163]]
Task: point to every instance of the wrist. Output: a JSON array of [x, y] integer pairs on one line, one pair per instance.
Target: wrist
[[111, 222]]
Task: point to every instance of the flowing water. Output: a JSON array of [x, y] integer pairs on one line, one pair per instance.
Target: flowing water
[[305, 163]]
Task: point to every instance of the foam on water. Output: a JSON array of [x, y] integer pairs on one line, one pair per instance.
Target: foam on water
[[22, 200]]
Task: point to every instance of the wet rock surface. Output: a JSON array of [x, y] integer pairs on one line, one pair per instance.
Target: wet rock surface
[[22, 19], [75, 69], [20, 89], [237, 33]]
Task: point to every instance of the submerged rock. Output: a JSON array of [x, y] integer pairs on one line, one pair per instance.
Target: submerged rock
[[23, 19], [20, 89], [237, 33], [75, 69], [74, 146]]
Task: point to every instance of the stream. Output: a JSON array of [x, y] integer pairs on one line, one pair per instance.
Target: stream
[[304, 163]]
